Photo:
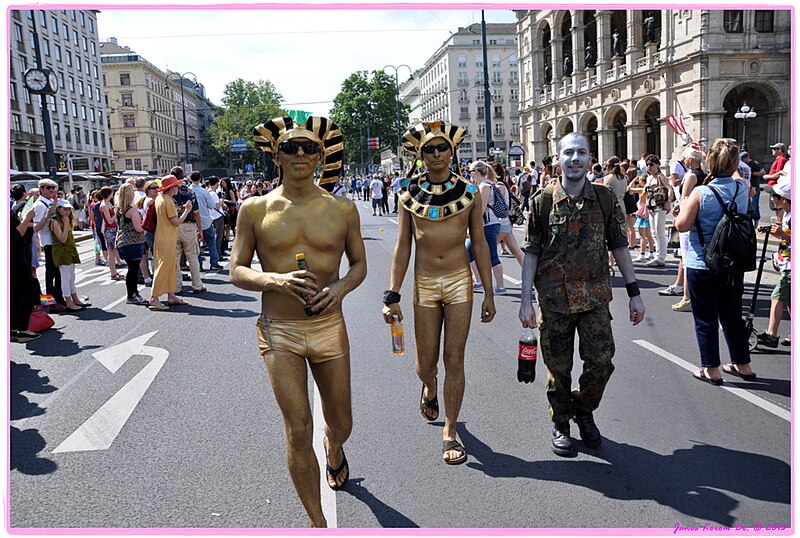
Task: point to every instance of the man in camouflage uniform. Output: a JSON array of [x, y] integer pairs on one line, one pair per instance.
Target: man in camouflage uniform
[[569, 258]]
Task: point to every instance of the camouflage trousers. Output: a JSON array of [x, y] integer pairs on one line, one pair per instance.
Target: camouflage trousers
[[596, 348]]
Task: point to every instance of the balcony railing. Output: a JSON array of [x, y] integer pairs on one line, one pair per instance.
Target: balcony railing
[[21, 137]]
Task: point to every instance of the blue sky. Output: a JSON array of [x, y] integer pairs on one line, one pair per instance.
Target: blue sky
[[307, 54]]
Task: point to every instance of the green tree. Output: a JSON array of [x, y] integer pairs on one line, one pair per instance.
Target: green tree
[[366, 104], [245, 104]]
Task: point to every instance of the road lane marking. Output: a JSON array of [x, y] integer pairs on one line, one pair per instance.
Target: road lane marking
[[392, 220], [100, 430], [736, 391], [115, 303], [327, 495], [512, 280]]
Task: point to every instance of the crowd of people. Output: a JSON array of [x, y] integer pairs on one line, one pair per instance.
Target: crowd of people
[[152, 255]]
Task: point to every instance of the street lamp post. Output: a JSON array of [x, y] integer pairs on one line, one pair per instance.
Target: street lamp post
[[397, 100], [180, 78], [744, 113]]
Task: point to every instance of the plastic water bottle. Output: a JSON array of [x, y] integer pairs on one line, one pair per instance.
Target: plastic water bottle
[[302, 264], [526, 367], [398, 346]]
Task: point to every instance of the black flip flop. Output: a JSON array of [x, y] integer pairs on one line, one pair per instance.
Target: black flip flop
[[332, 473], [425, 404], [702, 377], [731, 370], [452, 444]]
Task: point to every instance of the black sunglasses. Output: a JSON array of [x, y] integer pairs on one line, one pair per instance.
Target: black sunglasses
[[291, 147], [444, 146]]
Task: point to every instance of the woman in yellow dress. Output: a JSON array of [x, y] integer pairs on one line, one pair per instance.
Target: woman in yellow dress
[[166, 238]]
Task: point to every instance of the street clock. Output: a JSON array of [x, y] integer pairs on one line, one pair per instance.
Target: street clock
[[41, 81]]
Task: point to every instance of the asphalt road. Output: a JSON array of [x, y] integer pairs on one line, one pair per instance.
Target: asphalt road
[[176, 425]]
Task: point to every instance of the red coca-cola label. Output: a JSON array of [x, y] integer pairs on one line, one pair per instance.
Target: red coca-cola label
[[527, 352]]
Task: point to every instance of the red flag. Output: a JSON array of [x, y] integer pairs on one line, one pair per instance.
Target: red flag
[[676, 122]]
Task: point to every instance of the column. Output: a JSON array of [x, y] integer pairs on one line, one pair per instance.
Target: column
[[635, 50], [556, 63], [578, 69], [637, 139], [603, 46], [605, 144]]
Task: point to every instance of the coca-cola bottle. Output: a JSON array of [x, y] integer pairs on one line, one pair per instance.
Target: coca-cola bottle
[[526, 367]]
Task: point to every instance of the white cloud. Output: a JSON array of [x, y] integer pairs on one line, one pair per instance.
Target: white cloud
[[307, 54]]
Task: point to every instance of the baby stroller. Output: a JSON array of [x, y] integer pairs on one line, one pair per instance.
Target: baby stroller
[[753, 334]]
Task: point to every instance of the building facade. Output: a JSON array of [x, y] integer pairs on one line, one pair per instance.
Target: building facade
[[68, 44], [450, 87], [145, 108], [616, 75]]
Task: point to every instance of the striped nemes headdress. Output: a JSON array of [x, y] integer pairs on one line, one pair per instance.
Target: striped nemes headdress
[[321, 130], [421, 133]]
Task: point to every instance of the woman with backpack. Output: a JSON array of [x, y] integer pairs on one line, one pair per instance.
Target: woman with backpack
[[130, 240], [482, 175], [506, 236], [716, 297]]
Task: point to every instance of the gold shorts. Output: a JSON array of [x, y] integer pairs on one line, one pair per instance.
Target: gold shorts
[[436, 291], [318, 339]]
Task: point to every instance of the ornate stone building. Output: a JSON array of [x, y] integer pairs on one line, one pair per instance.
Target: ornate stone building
[[616, 75]]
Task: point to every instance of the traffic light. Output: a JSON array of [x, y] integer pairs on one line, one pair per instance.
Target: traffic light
[[372, 143]]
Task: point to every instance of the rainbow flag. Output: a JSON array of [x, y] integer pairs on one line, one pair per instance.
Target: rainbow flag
[[47, 300]]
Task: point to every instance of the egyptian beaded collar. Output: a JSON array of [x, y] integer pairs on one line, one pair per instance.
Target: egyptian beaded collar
[[436, 201]]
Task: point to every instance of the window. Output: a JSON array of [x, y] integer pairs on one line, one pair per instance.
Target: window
[[86, 136], [46, 47], [61, 80], [732, 21], [51, 103], [65, 31], [13, 92], [58, 53], [94, 68], [127, 99], [33, 41], [42, 19], [513, 77], [125, 79], [481, 129], [91, 25], [496, 77], [495, 60], [83, 112], [23, 64], [514, 128], [91, 115], [128, 164], [514, 94], [83, 19], [462, 78], [69, 58], [54, 26], [93, 47], [77, 62], [130, 143], [462, 60], [128, 120], [67, 134], [16, 122], [765, 21], [137, 164], [64, 106], [71, 84], [18, 33], [94, 137], [512, 60], [74, 15], [478, 60], [498, 111], [479, 78], [31, 126], [464, 113], [480, 113], [74, 110], [26, 96], [476, 41], [102, 138], [498, 129], [493, 42], [80, 87], [57, 131], [75, 38], [97, 94]]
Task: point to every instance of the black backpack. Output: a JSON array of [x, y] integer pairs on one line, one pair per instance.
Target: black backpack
[[732, 248]]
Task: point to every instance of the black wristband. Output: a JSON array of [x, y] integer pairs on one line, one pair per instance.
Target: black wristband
[[633, 289], [390, 297]]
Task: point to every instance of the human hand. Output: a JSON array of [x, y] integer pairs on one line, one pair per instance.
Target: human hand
[[487, 309], [676, 210], [527, 315], [392, 310], [297, 283], [328, 299], [636, 307]]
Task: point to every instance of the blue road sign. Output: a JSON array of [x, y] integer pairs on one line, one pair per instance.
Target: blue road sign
[[249, 168], [239, 145]]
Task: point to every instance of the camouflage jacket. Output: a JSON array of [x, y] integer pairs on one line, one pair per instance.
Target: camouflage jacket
[[572, 275]]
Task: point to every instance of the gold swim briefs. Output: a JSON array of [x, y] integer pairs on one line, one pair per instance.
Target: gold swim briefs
[[319, 338], [435, 291]]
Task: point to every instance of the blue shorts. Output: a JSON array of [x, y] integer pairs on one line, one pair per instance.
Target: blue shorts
[[491, 231]]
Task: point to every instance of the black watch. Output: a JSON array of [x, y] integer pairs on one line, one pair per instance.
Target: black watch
[[390, 297]]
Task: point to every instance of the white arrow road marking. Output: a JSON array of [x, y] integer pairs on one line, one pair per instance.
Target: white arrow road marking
[[100, 430], [736, 391], [327, 495]]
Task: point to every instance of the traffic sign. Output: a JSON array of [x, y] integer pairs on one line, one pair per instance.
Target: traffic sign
[[239, 144], [249, 168]]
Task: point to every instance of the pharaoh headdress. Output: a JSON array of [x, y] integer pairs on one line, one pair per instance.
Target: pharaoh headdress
[[421, 133], [321, 130]]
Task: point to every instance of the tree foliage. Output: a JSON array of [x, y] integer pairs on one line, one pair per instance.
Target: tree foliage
[[245, 104], [366, 105]]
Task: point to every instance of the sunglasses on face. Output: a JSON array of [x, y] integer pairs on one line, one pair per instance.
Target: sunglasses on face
[[48, 187], [291, 147], [441, 148]]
